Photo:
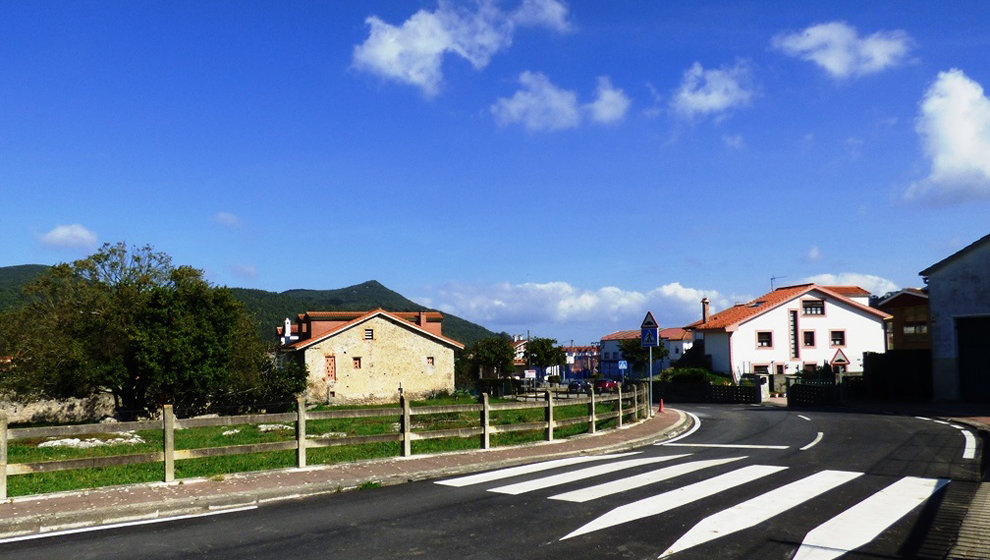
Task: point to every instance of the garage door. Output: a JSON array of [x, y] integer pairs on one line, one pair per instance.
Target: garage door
[[973, 336]]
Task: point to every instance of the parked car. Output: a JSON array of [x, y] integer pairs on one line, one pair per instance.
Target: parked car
[[606, 386], [578, 386]]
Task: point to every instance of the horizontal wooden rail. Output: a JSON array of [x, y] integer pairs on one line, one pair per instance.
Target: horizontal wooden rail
[[244, 449], [81, 429], [85, 463], [353, 413]]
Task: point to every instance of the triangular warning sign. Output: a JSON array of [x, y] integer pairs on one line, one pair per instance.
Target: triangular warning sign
[[649, 322], [839, 358]]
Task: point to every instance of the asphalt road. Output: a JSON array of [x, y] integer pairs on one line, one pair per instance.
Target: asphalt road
[[750, 482]]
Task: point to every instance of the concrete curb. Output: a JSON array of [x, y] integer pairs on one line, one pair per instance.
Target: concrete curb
[[55, 521]]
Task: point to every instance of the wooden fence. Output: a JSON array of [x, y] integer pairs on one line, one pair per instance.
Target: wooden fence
[[405, 434]]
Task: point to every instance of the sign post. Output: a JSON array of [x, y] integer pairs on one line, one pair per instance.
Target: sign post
[[650, 337]]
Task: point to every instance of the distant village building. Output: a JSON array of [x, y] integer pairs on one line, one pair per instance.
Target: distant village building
[[365, 357], [908, 327], [959, 299], [676, 340]]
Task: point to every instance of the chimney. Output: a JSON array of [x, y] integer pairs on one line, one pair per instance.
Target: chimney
[[704, 310]]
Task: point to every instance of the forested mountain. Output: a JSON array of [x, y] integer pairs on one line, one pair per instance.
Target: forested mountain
[[12, 278], [271, 308]]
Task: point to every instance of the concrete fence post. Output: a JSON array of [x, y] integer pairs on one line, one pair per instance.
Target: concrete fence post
[[168, 441], [549, 414], [301, 432], [635, 400], [406, 426], [619, 392], [591, 413], [3, 456], [485, 422]]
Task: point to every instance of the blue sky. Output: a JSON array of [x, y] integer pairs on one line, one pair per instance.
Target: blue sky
[[529, 165]]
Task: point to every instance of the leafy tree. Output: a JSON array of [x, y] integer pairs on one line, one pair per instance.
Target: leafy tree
[[544, 352], [638, 356], [493, 355], [126, 322]]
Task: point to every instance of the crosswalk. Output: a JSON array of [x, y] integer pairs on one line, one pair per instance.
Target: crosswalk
[[856, 526]]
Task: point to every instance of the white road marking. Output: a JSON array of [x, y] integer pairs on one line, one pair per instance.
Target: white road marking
[[645, 479], [969, 452], [655, 505], [753, 512], [727, 446], [526, 469], [122, 525], [803, 417], [817, 439], [697, 425], [588, 472], [865, 521]]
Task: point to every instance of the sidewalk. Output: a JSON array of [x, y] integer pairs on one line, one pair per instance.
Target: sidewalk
[[118, 504]]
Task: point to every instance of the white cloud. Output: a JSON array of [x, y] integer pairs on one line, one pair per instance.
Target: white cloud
[[244, 270], [734, 141], [873, 284], [558, 307], [838, 48], [227, 219], [540, 105], [413, 52], [547, 13], [813, 255], [72, 236], [954, 126], [610, 104], [704, 92]]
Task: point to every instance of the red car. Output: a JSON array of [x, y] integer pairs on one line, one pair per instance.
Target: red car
[[606, 386]]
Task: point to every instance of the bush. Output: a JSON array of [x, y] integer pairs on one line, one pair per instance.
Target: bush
[[695, 376], [553, 379]]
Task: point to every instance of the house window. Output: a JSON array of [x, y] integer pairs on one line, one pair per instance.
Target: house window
[[369, 334], [356, 362], [813, 307], [429, 360], [330, 367], [764, 339], [809, 338], [765, 370], [915, 328], [837, 338]]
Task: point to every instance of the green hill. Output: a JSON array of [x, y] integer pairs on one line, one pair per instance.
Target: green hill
[[12, 278], [271, 308]]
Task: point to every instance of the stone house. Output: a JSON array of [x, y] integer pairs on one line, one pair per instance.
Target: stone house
[[366, 357], [959, 326]]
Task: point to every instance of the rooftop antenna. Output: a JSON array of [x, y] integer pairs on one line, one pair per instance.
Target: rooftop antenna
[[772, 278]]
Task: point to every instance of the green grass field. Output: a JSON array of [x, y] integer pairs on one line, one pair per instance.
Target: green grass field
[[28, 451]]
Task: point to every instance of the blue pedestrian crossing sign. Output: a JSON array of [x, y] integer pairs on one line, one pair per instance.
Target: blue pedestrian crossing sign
[[649, 331]]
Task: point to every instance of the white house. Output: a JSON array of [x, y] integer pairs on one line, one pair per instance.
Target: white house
[[959, 302], [792, 329]]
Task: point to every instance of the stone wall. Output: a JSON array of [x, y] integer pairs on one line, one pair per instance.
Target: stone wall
[[92, 409]]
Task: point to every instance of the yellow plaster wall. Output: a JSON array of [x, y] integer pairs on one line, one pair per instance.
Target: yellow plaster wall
[[398, 354]]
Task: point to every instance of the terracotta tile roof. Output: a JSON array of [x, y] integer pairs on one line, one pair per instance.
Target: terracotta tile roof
[[673, 333], [403, 318], [622, 335], [849, 291], [740, 313]]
